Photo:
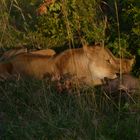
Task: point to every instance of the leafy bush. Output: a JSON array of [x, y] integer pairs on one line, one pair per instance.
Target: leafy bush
[[128, 24], [71, 21]]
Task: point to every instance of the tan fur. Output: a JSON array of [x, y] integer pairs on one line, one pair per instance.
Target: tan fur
[[48, 52], [36, 66], [13, 52], [88, 64], [26, 64], [91, 64], [124, 65]]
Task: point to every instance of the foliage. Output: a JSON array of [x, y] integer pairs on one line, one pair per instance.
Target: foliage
[[72, 20], [129, 24]]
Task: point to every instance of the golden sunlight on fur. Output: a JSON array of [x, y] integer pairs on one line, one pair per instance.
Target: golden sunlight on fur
[[48, 52], [90, 64], [124, 65]]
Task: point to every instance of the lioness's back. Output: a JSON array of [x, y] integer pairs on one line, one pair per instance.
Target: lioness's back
[[32, 65]]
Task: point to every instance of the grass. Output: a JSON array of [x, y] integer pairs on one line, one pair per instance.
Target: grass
[[31, 109]]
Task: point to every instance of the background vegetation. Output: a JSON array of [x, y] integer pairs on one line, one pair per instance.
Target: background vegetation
[[56, 23], [29, 109]]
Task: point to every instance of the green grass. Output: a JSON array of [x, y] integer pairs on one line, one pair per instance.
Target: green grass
[[33, 110]]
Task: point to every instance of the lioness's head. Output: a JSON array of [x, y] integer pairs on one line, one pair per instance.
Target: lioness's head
[[126, 65], [102, 64]]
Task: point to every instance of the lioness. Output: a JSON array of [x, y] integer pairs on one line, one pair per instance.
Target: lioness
[[91, 64], [81, 63], [18, 59], [125, 65], [10, 53], [33, 65]]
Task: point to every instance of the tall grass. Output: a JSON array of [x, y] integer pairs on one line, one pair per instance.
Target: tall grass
[[9, 35], [32, 109]]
